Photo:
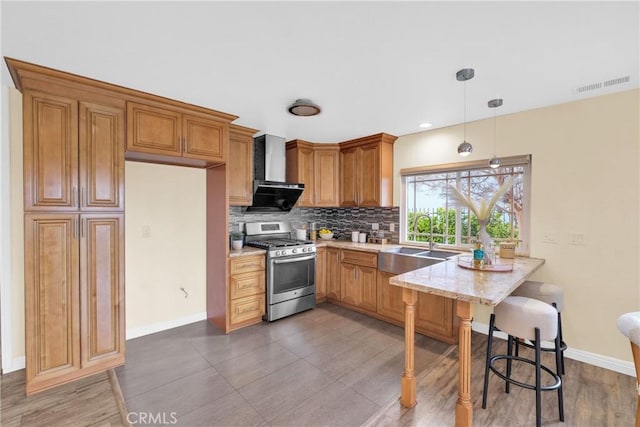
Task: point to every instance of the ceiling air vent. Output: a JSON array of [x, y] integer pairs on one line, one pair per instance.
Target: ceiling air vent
[[603, 84]]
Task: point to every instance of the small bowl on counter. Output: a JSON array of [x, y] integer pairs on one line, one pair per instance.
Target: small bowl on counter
[[326, 236]]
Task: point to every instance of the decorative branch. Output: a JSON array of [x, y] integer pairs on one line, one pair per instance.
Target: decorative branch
[[482, 211]]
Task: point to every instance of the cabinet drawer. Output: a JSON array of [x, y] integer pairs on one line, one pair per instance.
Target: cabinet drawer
[[246, 309], [246, 264], [245, 284], [368, 259]]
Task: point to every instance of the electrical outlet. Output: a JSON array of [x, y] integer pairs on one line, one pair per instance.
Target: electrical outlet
[[375, 226], [146, 231], [550, 237], [392, 227], [577, 239]]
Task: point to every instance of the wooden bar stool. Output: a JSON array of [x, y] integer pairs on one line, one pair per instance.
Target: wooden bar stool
[[551, 294], [629, 325], [533, 320]]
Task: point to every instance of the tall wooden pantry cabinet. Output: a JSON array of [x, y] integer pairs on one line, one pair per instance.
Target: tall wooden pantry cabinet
[[74, 139]]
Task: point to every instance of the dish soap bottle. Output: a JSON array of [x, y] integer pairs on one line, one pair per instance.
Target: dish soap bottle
[[478, 253]]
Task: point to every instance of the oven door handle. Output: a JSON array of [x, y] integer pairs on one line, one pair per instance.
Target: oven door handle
[[286, 261]]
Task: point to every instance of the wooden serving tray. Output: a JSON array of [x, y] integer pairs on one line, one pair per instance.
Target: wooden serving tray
[[467, 262]]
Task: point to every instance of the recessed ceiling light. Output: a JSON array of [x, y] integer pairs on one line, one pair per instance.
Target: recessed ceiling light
[[425, 125]]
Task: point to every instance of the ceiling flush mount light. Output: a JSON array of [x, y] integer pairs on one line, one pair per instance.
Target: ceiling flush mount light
[[464, 149], [494, 103], [304, 107], [425, 125]]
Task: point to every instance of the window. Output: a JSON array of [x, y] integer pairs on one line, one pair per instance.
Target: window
[[430, 211]]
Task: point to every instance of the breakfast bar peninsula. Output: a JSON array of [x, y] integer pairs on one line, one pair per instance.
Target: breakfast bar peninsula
[[466, 286]]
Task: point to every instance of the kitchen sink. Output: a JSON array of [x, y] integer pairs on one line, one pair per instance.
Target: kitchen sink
[[405, 250], [436, 254], [403, 259]]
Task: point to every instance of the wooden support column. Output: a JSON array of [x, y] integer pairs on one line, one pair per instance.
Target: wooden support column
[[408, 391], [464, 407]]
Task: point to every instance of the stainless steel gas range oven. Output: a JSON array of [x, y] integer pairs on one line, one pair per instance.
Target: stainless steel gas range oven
[[291, 268]]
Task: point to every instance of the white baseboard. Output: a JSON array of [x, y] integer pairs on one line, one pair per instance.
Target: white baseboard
[[16, 364], [163, 326], [606, 362]]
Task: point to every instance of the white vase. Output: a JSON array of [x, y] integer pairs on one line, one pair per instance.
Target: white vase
[[486, 240]]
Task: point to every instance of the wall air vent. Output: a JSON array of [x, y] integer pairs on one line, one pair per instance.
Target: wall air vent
[[617, 81], [603, 84]]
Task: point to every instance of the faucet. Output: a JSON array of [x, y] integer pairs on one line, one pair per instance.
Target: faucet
[[416, 218]]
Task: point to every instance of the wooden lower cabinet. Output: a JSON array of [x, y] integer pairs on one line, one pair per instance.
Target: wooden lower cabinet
[[321, 274], [333, 274], [246, 291], [358, 281], [74, 296], [389, 298], [434, 315]]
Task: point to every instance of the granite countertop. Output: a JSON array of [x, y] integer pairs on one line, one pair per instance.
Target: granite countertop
[[477, 286], [347, 244], [246, 251]]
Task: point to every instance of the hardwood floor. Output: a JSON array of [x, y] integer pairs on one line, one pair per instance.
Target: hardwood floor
[[325, 367], [87, 402]]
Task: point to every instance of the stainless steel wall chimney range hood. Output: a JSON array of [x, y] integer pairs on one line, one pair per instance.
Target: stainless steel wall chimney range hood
[[270, 191]]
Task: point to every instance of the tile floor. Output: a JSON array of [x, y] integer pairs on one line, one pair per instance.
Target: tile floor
[[327, 366]]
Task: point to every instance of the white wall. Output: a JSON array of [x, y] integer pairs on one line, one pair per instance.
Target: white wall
[[585, 179], [170, 203]]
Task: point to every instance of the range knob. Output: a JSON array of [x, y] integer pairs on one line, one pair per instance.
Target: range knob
[[294, 251], [277, 253]]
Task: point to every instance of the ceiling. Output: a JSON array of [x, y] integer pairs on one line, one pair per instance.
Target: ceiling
[[371, 66]]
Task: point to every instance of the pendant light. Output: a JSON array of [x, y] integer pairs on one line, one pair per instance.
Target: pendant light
[[494, 103], [464, 149]]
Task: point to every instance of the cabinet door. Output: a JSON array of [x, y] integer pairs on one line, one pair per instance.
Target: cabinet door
[[204, 138], [333, 274], [349, 177], [51, 299], [240, 169], [350, 287], [389, 298], [101, 157], [306, 176], [153, 130], [367, 280], [102, 289], [434, 316], [326, 178], [321, 274], [50, 152], [369, 176]]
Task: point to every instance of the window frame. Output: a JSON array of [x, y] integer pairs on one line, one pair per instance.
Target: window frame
[[523, 248]]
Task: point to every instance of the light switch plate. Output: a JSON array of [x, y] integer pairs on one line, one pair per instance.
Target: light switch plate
[[375, 226], [577, 239], [146, 231], [392, 227], [550, 237]]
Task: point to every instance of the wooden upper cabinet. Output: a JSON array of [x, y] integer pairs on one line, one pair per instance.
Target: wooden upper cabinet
[[369, 189], [153, 130], [240, 166], [50, 152], [366, 171], [102, 138], [326, 175], [102, 289], [317, 167], [51, 299], [204, 138], [349, 177], [73, 154], [175, 136], [299, 168]]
